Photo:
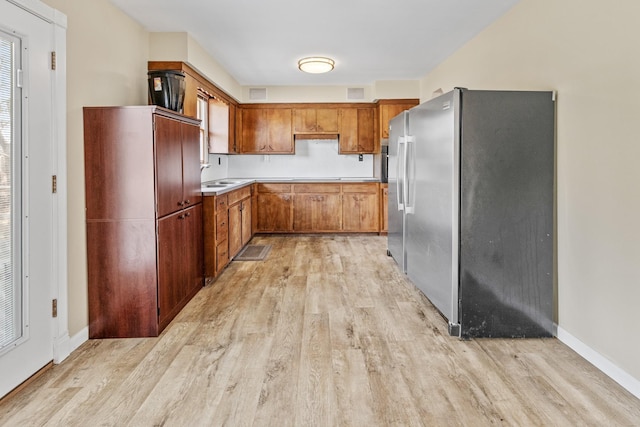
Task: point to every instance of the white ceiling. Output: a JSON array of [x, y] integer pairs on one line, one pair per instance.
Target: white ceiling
[[259, 41]]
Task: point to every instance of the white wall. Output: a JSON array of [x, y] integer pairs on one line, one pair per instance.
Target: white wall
[[587, 50], [313, 159]]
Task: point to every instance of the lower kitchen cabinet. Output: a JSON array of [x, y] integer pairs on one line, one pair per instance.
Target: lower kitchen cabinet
[[317, 207], [180, 261], [227, 228], [384, 210], [360, 207], [239, 220], [275, 208]]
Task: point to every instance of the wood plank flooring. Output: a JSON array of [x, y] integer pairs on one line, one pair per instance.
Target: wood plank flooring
[[324, 332]]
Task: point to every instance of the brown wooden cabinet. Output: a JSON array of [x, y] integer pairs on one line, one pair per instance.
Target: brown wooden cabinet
[[227, 228], [389, 108], [357, 131], [144, 219], [239, 220], [216, 234], [274, 208], [384, 211], [317, 207], [360, 207], [265, 130], [315, 120], [180, 260]]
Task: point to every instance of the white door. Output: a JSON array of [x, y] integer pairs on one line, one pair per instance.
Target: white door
[[27, 218]]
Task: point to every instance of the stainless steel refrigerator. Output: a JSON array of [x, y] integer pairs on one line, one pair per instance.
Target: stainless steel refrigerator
[[471, 196]]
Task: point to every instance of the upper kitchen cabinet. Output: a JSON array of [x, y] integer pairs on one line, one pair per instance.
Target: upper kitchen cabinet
[[220, 120], [388, 109], [357, 131], [315, 121], [263, 129]]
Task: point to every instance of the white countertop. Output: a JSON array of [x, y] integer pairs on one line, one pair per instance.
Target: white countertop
[[221, 186]]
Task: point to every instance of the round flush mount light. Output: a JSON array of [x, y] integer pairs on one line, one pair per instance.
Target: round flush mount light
[[316, 64]]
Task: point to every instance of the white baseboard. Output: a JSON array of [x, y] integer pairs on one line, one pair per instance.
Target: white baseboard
[[61, 348], [630, 383], [78, 339]]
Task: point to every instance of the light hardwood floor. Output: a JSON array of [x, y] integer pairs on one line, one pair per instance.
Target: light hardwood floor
[[325, 332]]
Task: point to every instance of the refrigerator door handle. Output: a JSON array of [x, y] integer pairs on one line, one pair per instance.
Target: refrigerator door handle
[[409, 175], [401, 167]]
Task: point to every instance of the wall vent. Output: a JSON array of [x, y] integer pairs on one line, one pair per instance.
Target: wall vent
[[355, 93], [258, 94]]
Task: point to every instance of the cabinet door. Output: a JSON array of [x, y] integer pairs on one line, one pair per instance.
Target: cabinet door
[[235, 229], [317, 212], [327, 120], [193, 249], [360, 212], [168, 144], [192, 192], [171, 287], [233, 149], [280, 135], [246, 221], [315, 120], [253, 131], [366, 130], [274, 212], [357, 130], [304, 120]]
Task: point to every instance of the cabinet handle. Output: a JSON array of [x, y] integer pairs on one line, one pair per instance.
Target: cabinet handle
[[188, 214], [180, 203], [180, 216], [187, 201]]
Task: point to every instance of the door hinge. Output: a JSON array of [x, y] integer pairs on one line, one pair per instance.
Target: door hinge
[[54, 184], [53, 60], [54, 308]]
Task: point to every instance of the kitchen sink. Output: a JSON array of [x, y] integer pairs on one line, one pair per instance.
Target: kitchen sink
[[220, 185], [229, 182]]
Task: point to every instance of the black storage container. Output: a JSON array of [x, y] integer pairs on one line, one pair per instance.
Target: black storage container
[[166, 89]]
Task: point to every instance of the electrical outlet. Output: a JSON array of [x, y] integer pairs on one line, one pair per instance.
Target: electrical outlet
[[360, 158]]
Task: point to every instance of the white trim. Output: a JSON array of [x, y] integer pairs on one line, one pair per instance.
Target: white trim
[[617, 374], [78, 339]]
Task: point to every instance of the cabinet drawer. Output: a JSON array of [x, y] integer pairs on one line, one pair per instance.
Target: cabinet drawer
[[274, 188], [360, 188], [237, 195], [316, 188], [221, 203], [222, 226], [222, 255]]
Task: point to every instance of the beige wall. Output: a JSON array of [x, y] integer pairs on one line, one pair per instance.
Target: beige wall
[[587, 50], [106, 65]]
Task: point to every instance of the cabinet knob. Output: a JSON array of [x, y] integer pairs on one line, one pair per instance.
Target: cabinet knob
[[180, 216], [180, 203], [187, 201], [188, 214]]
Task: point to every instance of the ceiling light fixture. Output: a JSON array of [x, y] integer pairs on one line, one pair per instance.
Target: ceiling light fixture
[[316, 64]]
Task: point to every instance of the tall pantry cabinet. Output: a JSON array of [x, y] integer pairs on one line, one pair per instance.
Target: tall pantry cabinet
[[144, 218]]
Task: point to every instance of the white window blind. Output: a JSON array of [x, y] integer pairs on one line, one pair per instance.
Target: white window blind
[[10, 234]]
